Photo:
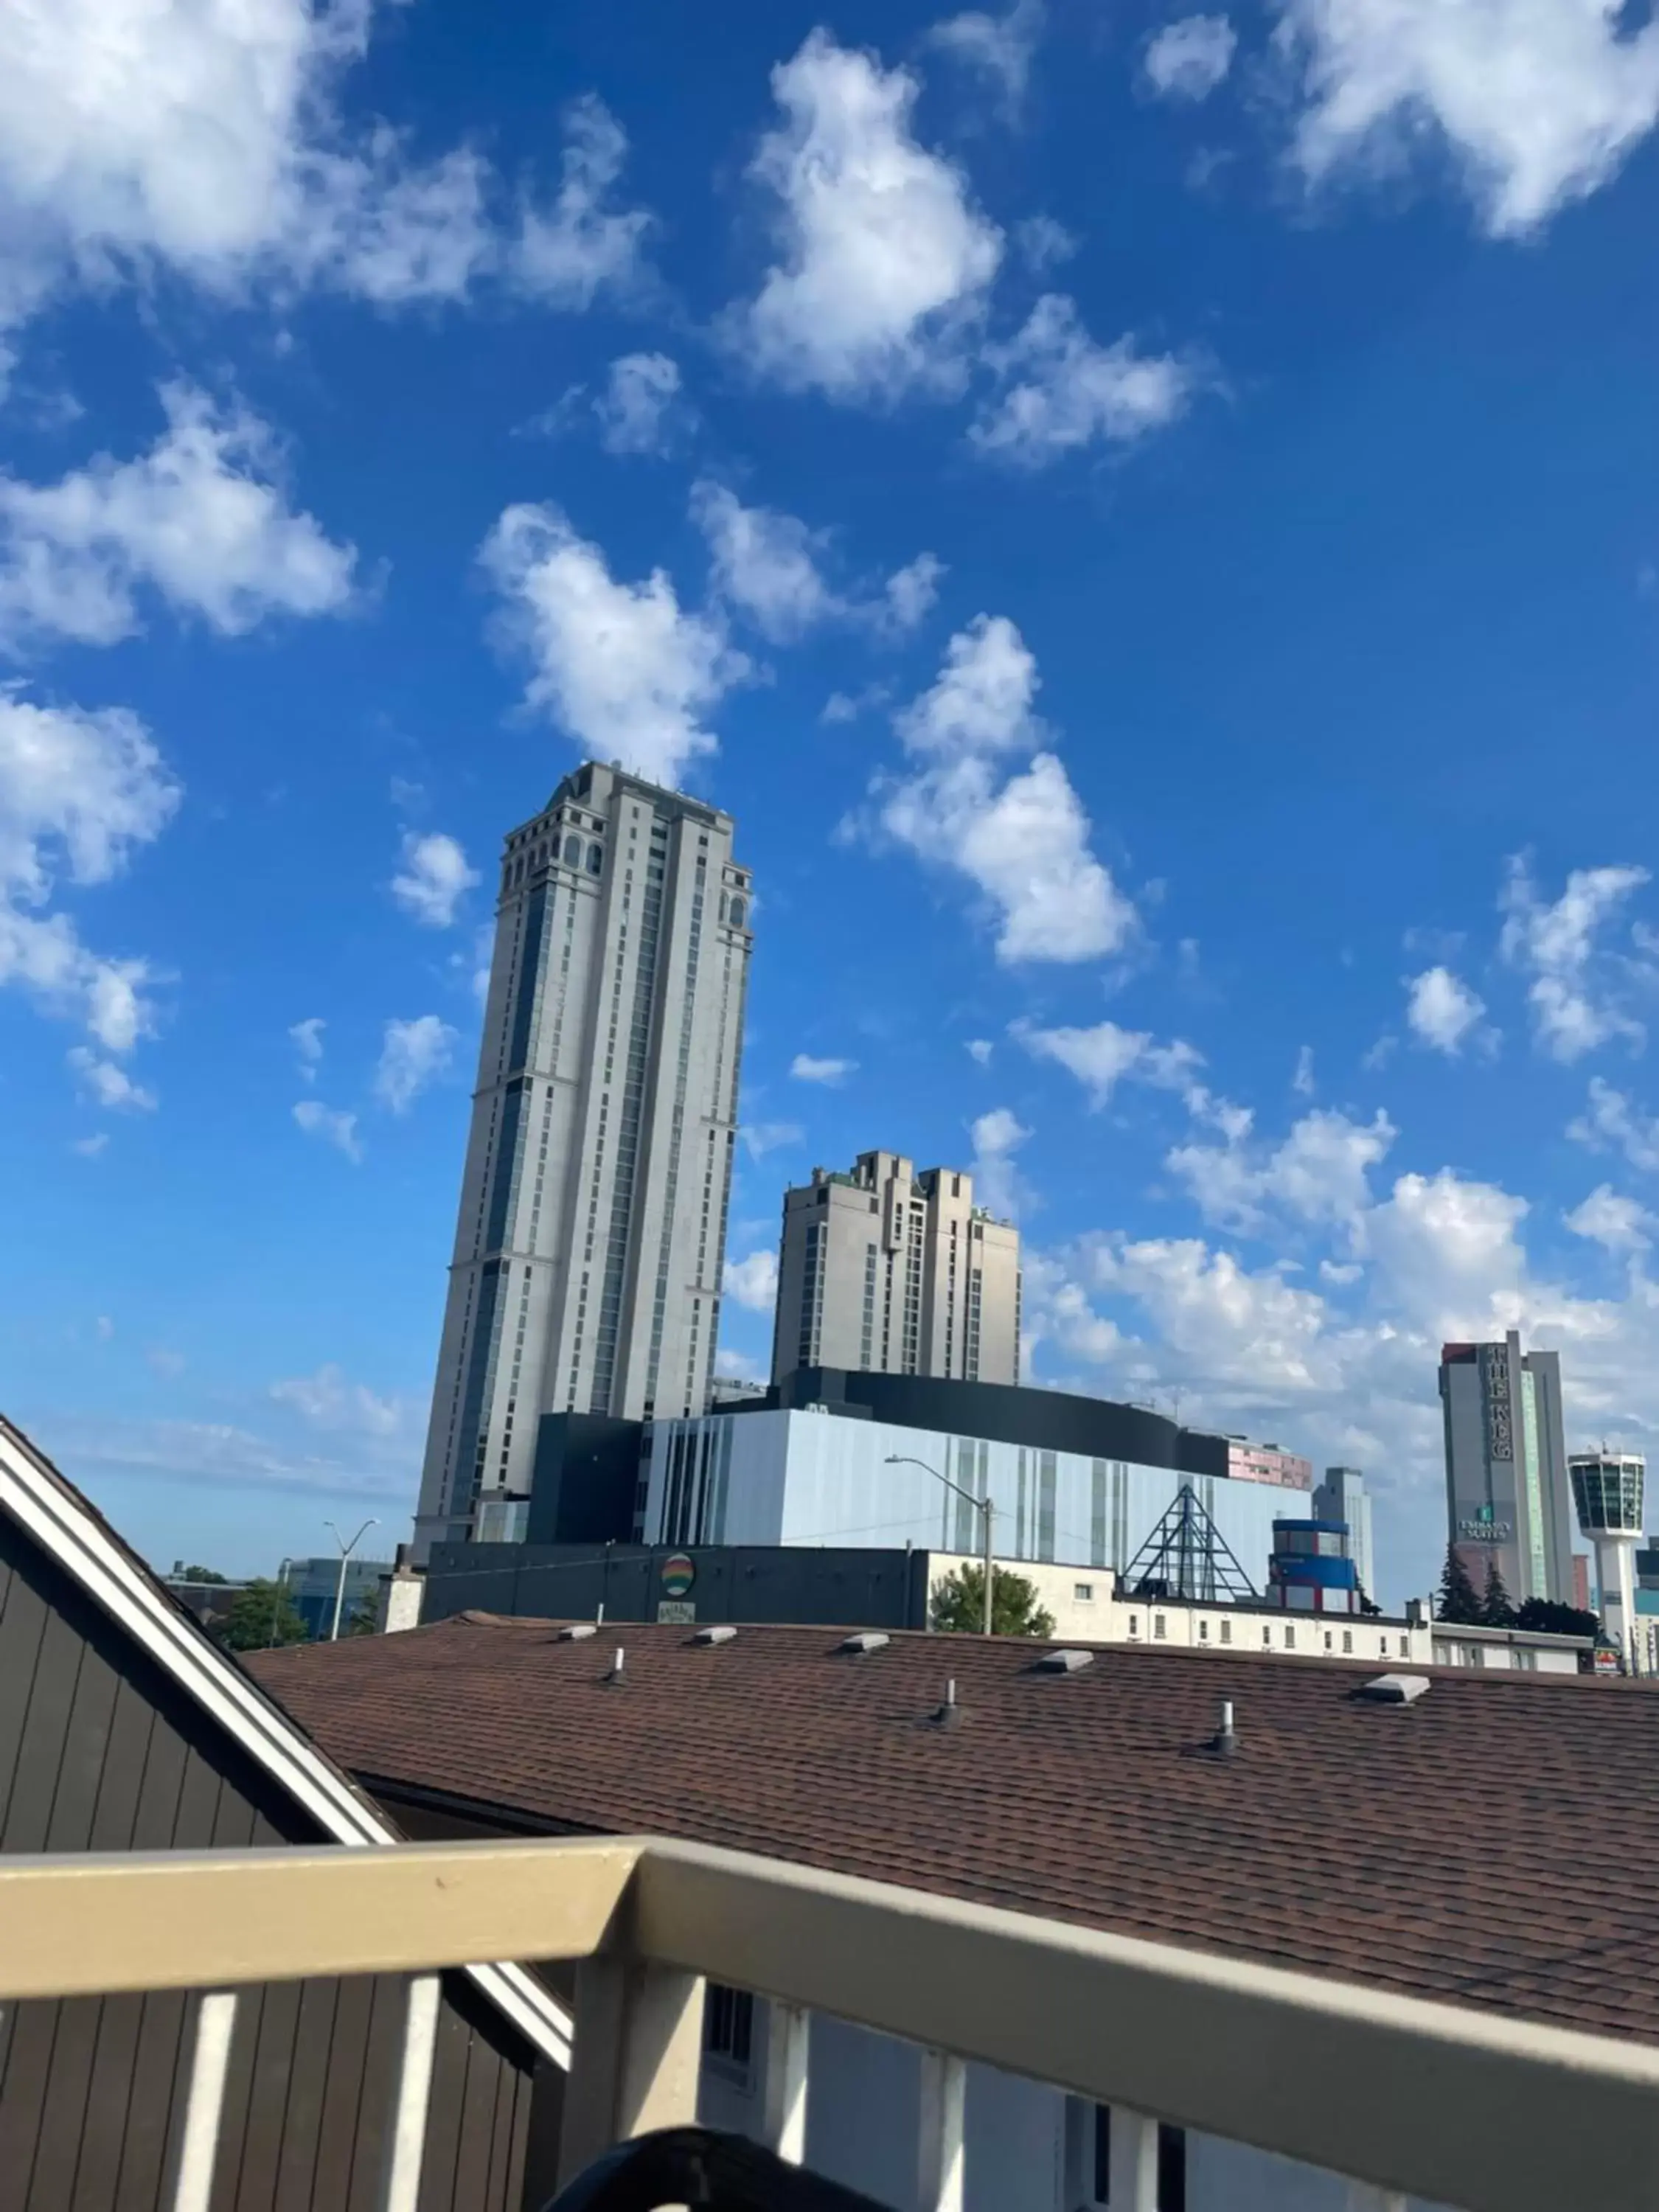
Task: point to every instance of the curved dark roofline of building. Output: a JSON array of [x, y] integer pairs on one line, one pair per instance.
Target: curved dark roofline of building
[[1003, 1412]]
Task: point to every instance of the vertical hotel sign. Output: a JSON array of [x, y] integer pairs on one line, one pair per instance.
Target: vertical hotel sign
[[1500, 1411]]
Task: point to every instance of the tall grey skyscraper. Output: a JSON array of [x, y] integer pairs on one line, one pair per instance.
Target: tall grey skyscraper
[[1341, 1497], [898, 1272], [592, 1234], [1508, 1496]]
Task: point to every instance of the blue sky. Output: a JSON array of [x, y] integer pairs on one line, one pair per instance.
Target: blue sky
[[1151, 522]]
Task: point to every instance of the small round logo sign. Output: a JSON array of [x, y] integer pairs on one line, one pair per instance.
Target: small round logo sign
[[678, 1573]]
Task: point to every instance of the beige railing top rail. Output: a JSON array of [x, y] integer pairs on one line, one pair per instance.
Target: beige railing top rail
[[1455, 2105]]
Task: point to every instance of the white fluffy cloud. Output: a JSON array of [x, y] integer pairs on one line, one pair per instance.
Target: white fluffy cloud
[[1611, 1122], [768, 565], [1000, 47], [752, 1283], [328, 1400], [206, 138], [910, 592], [885, 260], [307, 1038], [434, 879], [109, 1085], [1320, 1173], [1061, 390], [1022, 840], [412, 1055], [1186, 60], [1442, 1011], [764, 563], [566, 253], [330, 1127], [980, 1049], [997, 1137], [1100, 1058], [804, 1068], [79, 791], [1538, 100], [1621, 1225], [622, 667], [202, 518], [638, 405], [1577, 987]]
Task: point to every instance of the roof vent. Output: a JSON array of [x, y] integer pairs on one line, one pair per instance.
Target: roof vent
[[1394, 1689], [714, 1635], [615, 1676], [578, 1632], [867, 1639], [1224, 1742], [950, 1713], [1064, 1661]]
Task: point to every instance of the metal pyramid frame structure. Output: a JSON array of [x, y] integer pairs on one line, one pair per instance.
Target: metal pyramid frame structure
[[1188, 1557]]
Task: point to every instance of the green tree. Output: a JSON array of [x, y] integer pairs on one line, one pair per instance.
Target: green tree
[[181, 1573], [1496, 1610], [1458, 1601], [1545, 1617], [263, 1615], [957, 1604], [364, 1619]]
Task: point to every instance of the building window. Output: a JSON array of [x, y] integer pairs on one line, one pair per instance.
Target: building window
[[596, 860], [1290, 1639], [1088, 2181], [1347, 1639], [1134, 1624], [573, 852], [1226, 1632], [1171, 2169], [1203, 1632], [1157, 1624], [740, 913], [1084, 1593], [728, 2027], [1382, 1648]]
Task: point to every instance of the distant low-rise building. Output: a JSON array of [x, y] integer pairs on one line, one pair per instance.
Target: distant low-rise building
[[1249, 1462]]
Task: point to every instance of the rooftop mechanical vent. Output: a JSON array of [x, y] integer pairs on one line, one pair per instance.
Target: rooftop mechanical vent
[[578, 1632], [714, 1635], [1394, 1689], [1064, 1662], [867, 1639]]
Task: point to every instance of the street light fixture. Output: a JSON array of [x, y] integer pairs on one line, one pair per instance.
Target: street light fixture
[[981, 1505], [346, 1551]]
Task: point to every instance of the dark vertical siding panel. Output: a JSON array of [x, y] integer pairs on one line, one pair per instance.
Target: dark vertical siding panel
[[544, 2126], [86, 1746], [343, 2092], [121, 1783], [39, 1755], [296, 2169], [239, 2088], [477, 2122], [384, 2052], [507, 2079], [443, 2118], [108, 2103], [63, 2116], [198, 1804], [20, 1634], [273, 2058], [22, 2101], [161, 2028]]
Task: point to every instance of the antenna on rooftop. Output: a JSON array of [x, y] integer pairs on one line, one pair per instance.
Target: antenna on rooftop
[[1188, 1557]]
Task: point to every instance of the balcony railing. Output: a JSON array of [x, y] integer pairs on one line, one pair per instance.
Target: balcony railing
[[1457, 2106]]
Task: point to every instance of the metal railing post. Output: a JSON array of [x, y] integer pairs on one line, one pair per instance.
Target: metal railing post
[[400, 2186], [783, 2127], [939, 2130], [204, 2100], [1135, 2160], [635, 2055]]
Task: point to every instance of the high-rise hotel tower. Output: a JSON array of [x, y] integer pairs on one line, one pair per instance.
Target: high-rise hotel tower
[[586, 1271]]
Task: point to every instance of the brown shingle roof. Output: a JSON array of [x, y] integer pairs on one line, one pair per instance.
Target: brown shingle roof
[[1495, 1844]]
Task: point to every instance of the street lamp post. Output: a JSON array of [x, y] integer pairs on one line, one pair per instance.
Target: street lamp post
[[981, 1505], [278, 1596], [346, 1551]]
